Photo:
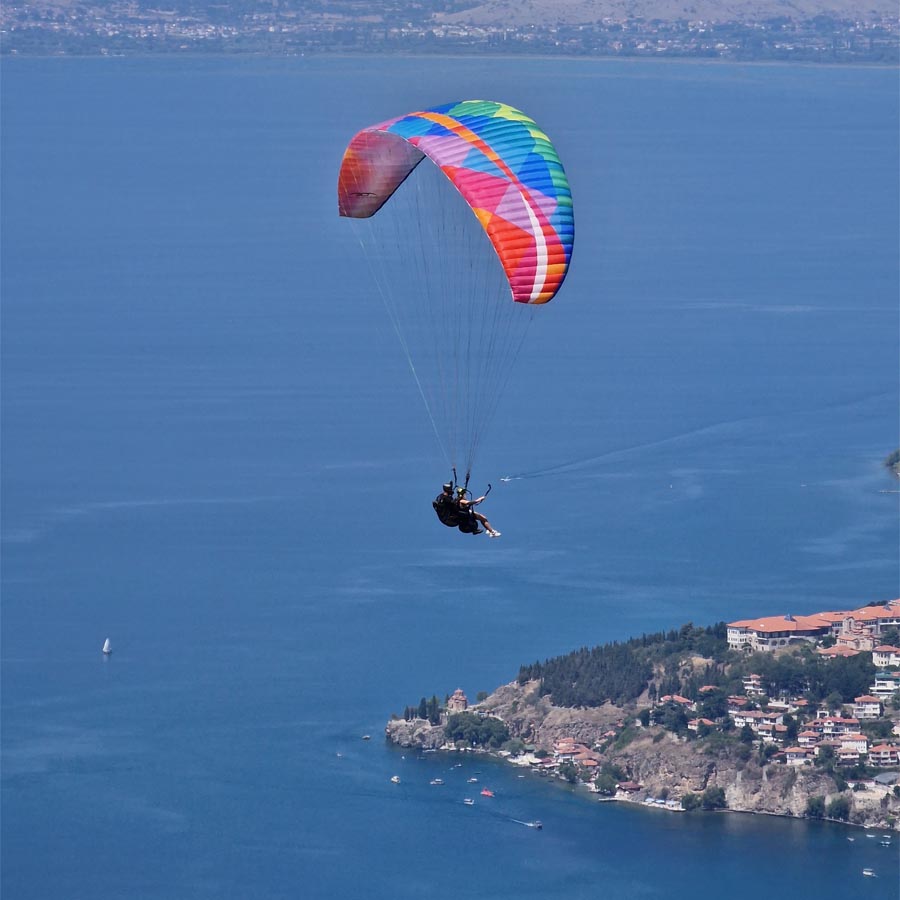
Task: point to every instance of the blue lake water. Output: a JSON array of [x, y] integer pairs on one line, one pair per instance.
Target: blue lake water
[[214, 454]]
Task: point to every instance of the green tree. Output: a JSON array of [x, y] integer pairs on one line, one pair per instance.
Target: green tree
[[605, 784], [891, 636], [433, 710], [790, 736], [568, 771], [714, 798], [815, 807], [515, 747], [476, 730], [839, 809], [691, 801]]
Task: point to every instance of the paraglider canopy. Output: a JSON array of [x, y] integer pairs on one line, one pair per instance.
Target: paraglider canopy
[[448, 184], [502, 163]]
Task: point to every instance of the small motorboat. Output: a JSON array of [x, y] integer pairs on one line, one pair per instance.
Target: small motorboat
[[869, 873], [469, 801], [395, 779], [473, 781], [367, 737], [436, 781], [487, 793], [537, 823]]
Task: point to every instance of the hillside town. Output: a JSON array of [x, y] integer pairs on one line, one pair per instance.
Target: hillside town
[[295, 29], [846, 749]]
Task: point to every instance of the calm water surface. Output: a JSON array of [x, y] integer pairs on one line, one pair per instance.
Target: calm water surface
[[213, 454]]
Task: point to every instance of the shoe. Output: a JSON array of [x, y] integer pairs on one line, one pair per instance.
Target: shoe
[[493, 534]]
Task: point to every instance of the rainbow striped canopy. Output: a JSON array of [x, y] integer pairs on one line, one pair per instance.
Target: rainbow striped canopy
[[499, 160]]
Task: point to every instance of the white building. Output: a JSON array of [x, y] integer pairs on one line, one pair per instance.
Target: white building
[[886, 684], [886, 656], [771, 632], [867, 707]]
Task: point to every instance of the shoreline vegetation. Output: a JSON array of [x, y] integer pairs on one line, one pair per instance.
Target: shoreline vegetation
[[680, 721]]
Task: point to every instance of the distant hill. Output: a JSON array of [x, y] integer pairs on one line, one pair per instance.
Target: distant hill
[[572, 12], [512, 13]]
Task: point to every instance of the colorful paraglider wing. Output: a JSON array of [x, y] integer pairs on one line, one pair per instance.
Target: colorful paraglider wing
[[503, 165]]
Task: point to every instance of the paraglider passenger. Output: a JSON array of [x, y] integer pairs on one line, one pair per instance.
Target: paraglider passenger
[[457, 512], [468, 516]]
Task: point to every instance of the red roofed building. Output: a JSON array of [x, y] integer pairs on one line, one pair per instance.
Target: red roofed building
[[884, 755], [867, 707], [879, 617], [831, 652], [798, 756], [694, 724], [770, 632], [808, 738], [458, 702]]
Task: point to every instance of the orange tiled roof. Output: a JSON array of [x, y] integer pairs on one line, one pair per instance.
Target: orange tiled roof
[[888, 611], [834, 615], [837, 651], [782, 623]]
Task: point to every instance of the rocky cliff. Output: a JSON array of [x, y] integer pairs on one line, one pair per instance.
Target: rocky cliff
[[663, 764]]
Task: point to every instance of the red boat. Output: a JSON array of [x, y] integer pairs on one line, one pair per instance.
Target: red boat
[[487, 793]]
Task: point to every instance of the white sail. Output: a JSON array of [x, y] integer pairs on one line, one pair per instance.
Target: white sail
[[107, 647]]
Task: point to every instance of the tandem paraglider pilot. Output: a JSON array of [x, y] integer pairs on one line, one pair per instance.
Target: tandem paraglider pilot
[[458, 512]]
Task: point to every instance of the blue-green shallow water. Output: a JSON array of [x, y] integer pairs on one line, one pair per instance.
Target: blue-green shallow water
[[212, 453]]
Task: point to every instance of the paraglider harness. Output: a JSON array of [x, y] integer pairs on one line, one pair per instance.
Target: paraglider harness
[[449, 511]]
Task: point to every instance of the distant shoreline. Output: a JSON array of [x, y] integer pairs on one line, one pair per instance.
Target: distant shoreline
[[512, 58]]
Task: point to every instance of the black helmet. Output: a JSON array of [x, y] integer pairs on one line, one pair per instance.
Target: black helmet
[[448, 486]]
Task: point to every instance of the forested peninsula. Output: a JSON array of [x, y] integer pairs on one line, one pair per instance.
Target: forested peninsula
[[682, 721]]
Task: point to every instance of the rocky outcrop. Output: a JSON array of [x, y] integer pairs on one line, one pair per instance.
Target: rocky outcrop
[[536, 721], [418, 733]]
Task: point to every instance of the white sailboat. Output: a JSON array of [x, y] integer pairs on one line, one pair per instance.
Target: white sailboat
[[107, 647]]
